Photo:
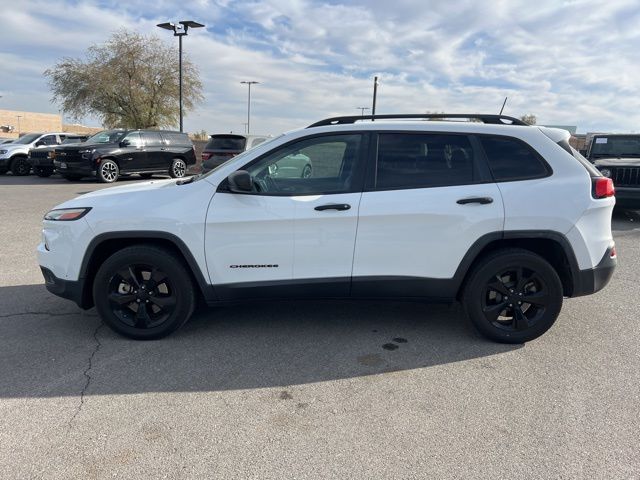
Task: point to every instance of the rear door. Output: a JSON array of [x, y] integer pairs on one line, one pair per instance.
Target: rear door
[[157, 155], [428, 198]]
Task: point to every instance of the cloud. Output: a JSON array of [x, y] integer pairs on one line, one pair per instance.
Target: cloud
[[568, 62]]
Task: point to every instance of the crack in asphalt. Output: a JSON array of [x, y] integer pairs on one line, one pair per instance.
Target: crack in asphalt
[[86, 373]]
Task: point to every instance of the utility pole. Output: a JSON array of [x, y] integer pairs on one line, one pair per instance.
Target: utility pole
[[362, 109], [249, 83], [19, 117]]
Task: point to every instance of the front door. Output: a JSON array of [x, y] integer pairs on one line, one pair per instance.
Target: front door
[[294, 234], [132, 156]]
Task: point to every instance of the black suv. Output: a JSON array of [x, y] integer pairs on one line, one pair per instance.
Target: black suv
[[41, 159], [618, 157], [114, 153]]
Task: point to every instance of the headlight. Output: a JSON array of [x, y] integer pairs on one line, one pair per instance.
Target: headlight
[[606, 172], [67, 214]]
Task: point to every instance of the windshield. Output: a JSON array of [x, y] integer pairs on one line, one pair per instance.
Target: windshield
[[618, 146], [234, 143], [107, 136], [28, 138]]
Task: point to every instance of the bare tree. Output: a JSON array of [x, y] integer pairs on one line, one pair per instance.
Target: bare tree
[[129, 81], [529, 118]]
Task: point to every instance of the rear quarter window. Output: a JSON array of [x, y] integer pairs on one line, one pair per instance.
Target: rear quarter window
[[177, 139], [512, 159]]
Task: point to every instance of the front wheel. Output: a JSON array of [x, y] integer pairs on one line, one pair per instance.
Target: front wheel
[[178, 168], [108, 171], [144, 292], [513, 296], [20, 166]]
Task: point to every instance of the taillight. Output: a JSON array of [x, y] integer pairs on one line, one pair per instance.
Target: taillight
[[205, 156], [603, 187]]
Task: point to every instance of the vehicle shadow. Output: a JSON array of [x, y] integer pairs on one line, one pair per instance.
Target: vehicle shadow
[[625, 219], [47, 350]]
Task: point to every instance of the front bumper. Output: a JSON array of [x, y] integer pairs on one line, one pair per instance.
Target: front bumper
[[595, 279], [69, 289], [4, 162], [73, 168], [41, 162]]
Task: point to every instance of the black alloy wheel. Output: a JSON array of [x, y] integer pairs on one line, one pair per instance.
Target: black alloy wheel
[[513, 296], [144, 292], [20, 166]]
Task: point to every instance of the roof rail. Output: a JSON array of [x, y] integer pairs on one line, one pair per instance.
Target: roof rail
[[484, 118]]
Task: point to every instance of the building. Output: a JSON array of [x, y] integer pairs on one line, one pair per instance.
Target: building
[[15, 123]]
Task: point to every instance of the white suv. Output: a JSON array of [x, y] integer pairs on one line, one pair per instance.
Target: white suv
[[505, 217]]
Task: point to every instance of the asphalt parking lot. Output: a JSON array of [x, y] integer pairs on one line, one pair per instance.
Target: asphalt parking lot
[[310, 389]]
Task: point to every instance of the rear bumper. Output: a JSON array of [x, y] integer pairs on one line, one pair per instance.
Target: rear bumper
[[628, 197], [595, 279], [69, 289]]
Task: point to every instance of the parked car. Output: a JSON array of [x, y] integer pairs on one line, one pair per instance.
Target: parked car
[[6, 140], [618, 157], [224, 146], [14, 155], [41, 159], [412, 209], [114, 153]]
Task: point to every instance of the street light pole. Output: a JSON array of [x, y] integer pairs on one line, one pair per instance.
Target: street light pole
[[19, 117], [249, 83], [180, 29], [362, 109]]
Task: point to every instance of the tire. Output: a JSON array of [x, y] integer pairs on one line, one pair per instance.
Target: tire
[[502, 279], [108, 171], [144, 292], [3, 171], [20, 166], [178, 168], [43, 172], [306, 171], [146, 175], [72, 178]]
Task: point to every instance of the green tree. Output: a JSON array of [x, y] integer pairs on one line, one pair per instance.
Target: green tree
[[529, 118], [130, 81]]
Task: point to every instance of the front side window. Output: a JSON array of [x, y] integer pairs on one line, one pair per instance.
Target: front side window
[[512, 159], [314, 166], [408, 160], [48, 140]]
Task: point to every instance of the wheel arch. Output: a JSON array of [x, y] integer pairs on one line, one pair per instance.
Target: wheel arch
[[550, 245], [104, 245]]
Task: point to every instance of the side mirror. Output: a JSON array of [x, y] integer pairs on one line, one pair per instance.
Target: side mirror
[[240, 182], [40, 143], [125, 143]]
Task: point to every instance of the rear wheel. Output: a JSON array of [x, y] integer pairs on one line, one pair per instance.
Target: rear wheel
[[144, 292], [178, 168], [43, 171], [20, 166], [108, 171], [513, 296], [306, 171]]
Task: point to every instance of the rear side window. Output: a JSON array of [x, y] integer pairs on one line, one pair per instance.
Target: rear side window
[[512, 159], [407, 160], [176, 138], [233, 143], [152, 139]]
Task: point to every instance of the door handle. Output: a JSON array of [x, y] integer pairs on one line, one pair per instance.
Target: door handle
[[333, 206], [480, 200]]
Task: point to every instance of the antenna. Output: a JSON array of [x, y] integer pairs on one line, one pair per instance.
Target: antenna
[[503, 104]]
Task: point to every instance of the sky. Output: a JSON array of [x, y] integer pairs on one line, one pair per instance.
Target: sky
[[569, 62]]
